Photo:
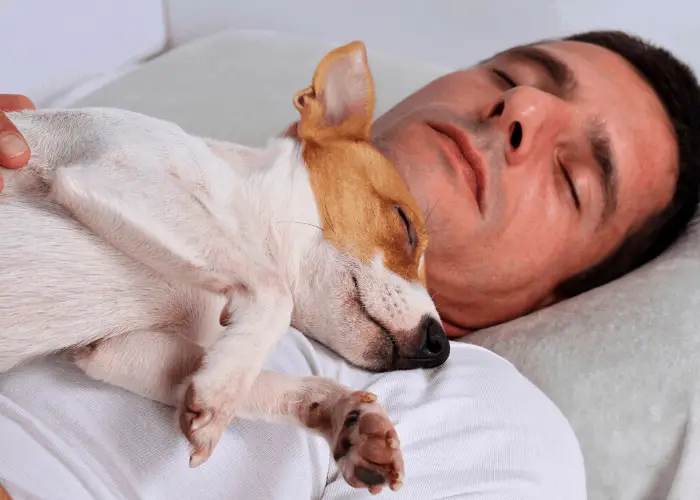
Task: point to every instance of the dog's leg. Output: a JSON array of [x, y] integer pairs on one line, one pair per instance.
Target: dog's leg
[[261, 314], [112, 204], [152, 364], [260, 301], [360, 435]]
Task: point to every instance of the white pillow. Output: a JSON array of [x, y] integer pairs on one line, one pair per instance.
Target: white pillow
[[239, 85]]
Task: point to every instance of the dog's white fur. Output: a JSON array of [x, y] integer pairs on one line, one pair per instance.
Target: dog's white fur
[[127, 241]]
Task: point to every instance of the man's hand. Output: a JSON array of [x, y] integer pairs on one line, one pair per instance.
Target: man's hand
[[14, 151]]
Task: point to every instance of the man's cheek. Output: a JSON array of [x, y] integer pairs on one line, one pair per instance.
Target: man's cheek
[[533, 204]]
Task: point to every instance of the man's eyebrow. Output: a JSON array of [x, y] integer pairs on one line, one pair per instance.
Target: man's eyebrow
[[561, 75], [599, 141]]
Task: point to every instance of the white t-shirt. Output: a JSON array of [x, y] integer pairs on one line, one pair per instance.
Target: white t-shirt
[[474, 428]]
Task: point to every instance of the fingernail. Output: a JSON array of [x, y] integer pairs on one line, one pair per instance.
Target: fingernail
[[12, 145]]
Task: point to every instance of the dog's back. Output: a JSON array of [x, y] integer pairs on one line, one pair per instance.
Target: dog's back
[[67, 137]]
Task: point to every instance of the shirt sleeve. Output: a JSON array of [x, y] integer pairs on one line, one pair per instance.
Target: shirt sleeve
[[476, 429]]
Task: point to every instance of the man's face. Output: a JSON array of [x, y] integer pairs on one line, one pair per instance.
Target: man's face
[[530, 167]]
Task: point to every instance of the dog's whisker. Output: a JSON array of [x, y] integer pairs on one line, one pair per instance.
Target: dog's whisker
[[432, 297], [433, 231], [430, 212], [298, 222]]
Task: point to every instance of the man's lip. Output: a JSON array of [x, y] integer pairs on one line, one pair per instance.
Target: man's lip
[[472, 157]]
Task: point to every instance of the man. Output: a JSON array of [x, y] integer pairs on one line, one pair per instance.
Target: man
[[544, 171]]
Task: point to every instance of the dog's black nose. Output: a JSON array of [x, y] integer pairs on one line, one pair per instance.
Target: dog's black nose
[[435, 343], [434, 349]]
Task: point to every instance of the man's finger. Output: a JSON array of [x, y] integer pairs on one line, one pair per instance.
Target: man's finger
[[14, 151], [15, 102]]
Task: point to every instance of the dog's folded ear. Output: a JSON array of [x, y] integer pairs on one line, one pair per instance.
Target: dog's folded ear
[[340, 101]]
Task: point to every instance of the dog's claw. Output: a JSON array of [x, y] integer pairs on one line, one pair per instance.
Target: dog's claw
[[206, 410], [200, 426], [199, 456]]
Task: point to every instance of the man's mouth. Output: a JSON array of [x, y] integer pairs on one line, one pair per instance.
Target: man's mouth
[[464, 158]]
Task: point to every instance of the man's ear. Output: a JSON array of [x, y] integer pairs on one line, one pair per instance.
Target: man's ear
[[340, 101]]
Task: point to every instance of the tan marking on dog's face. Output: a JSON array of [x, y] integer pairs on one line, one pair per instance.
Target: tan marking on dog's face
[[421, 271], [366, 208]]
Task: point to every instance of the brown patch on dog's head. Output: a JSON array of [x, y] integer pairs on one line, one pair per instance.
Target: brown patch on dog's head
[[366, 208]]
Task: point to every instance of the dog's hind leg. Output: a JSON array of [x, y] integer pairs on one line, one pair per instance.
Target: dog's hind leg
[[152, 364]]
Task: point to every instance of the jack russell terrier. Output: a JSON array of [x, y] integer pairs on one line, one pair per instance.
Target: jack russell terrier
[[171, 265]]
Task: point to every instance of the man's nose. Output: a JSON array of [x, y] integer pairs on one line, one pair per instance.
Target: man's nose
[[527, 118]]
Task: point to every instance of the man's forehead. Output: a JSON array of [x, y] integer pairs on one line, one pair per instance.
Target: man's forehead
[[598, 68]]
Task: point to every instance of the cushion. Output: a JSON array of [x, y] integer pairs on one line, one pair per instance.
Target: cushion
[[618, 361], [239, 85]]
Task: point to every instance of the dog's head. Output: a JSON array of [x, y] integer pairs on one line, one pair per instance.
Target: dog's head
[[367, 297]]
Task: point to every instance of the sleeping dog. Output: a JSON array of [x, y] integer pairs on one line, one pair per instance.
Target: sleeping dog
[[170, 265]]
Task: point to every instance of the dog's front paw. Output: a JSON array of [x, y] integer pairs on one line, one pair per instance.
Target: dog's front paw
[[366, 445], [203, 419]]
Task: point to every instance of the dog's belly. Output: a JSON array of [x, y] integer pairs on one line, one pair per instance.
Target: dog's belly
[[62, 286]]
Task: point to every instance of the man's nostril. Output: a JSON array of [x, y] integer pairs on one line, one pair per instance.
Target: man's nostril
[[497, 110], [516, 135]]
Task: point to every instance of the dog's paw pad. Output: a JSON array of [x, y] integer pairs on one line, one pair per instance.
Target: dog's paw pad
[[366, 446]]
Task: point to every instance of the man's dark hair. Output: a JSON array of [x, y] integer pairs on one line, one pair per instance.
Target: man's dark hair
[[677, 88]]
